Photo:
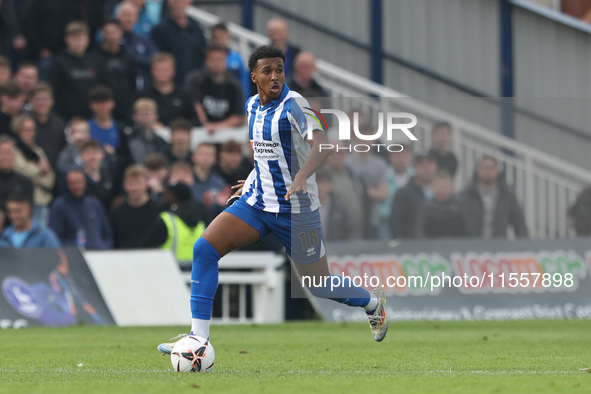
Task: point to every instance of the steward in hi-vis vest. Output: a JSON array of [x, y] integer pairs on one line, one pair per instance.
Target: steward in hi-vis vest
[[179, 225]]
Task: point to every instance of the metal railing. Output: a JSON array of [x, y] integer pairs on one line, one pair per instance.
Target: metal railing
[[545, 185]]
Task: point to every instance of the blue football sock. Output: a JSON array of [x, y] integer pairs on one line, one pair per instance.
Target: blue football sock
[[204, 279], [340, 289]]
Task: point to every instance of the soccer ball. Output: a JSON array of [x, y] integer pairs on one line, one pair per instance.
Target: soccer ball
[[192, 354]]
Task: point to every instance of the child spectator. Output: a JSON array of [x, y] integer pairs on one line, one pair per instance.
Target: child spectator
[[39, 172], [180, 141], [158, 171], [181, 172], [104, 128], [50, 127], [232, 165], [220, 36], [116, 69], [218, 97], [172, 102], [79, 219], [441, 216], [73, 73], [131, 219], [78, 132], [99, 178], [142, 138]]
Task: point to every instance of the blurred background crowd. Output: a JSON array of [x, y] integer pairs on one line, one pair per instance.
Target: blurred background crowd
[[98, 100]]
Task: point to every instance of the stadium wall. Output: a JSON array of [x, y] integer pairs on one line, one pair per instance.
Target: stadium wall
[[457, 40]]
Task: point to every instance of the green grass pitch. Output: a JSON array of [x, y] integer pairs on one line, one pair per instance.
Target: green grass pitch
[[310, 357]]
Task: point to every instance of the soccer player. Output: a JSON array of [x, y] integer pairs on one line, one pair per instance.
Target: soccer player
[[279, 196]]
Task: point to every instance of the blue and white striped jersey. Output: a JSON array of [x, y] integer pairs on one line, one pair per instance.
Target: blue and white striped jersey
[[278, 134]]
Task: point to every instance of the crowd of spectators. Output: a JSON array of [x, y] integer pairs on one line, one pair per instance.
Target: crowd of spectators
[[82, 162]]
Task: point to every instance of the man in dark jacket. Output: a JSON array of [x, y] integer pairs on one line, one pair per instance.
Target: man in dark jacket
[[337, 222], [141, 48], [408, 200], [440, 217], [73, 73], [50, 134], [116, 69], [182, 37], [78, 219], [488, 206]]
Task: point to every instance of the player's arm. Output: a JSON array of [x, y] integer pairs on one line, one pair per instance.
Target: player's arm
[[314, 160]]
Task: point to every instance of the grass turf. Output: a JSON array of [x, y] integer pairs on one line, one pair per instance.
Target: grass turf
[[459, 357]]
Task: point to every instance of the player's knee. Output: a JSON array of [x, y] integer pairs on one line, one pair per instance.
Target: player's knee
[[202, 249]]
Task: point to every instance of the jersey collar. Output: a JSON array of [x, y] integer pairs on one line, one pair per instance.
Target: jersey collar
[[273, 103]]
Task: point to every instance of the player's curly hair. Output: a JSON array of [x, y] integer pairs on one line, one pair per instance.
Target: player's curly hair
[[264, 52]]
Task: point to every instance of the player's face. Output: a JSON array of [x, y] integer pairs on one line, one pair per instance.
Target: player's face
[[269, 77], [19, 213]]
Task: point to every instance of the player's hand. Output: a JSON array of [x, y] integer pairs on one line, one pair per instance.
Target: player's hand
[[299, 184], [238, 185], [238, 192]]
